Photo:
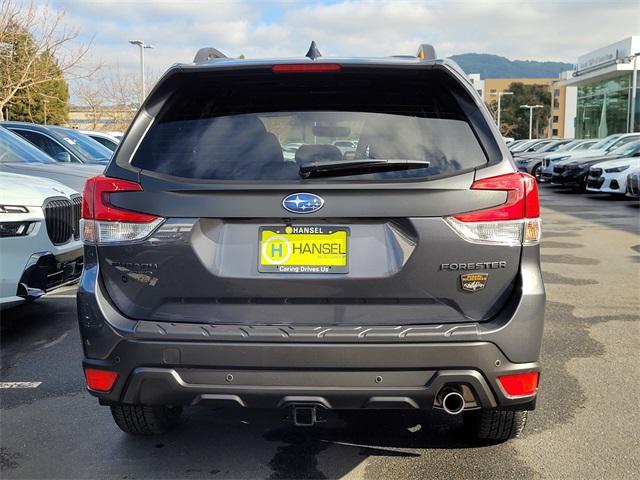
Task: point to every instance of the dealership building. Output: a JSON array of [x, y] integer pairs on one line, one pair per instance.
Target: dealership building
[[602, 91]]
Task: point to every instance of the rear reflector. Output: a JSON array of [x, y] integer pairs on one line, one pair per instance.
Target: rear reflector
[[100, 380], [520, 385], [514, 222], [102, 222], [306, 67]]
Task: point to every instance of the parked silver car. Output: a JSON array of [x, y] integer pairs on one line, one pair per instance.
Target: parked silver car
[[19, 156]]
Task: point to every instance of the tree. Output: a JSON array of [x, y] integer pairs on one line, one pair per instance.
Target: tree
[[50, 99], [111, 97], [515, 120], [36, 54]]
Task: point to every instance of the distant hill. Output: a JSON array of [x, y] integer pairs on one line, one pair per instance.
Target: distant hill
[[494, 66]]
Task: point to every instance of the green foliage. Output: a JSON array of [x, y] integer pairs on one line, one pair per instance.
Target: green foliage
[[515, 120], [29, 104], [40, 80]]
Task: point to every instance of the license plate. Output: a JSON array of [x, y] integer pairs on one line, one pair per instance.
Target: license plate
[[303, 249]]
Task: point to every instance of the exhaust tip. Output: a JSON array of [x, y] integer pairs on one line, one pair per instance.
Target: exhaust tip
[[453, 403]]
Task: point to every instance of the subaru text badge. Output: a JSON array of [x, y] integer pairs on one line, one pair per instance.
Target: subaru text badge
[[302, 203]]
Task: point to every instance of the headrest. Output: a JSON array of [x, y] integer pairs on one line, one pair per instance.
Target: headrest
[[317, 153], [239, 125]]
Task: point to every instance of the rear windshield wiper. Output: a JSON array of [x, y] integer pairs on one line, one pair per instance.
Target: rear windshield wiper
[[343, 168]]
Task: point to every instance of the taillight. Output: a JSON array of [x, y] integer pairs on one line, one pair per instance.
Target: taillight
[[306, 67], [514, 222], [520, 384], [102, 222], [100, 380]]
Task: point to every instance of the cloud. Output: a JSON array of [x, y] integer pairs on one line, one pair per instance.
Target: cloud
[[532, 30]]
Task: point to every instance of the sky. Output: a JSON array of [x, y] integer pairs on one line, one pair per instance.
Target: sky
[[558, 30]]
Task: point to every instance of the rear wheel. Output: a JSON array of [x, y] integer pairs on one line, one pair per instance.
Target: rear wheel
[[146, 419], [499, 425], [537, 172]]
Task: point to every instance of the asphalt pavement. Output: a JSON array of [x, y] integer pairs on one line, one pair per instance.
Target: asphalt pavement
[[586, 426]]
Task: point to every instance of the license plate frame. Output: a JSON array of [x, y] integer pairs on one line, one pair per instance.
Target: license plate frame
[[294, 235]]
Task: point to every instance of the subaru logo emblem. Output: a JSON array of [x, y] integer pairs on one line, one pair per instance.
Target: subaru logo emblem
[[302, 203]]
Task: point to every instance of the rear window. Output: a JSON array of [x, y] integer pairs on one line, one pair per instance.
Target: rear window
[[264, 127]]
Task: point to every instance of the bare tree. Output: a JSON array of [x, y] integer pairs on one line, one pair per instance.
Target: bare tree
[[36, 47], [91, 94], [111, 96]]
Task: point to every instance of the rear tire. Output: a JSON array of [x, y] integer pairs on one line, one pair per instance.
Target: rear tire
[[536, 172], [146, 419], [496, 425]]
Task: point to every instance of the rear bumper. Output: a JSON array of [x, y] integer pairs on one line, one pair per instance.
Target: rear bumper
[[330, 375], [347, 367]]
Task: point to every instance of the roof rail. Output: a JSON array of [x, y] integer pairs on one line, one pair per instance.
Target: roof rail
[[426, 52], [208, 53]]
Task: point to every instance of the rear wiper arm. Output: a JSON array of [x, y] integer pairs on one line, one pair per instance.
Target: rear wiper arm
[[343, 168]]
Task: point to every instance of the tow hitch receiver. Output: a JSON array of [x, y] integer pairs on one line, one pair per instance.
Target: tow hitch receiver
[[305, 416]]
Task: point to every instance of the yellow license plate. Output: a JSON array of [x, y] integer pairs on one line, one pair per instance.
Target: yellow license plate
[[303, 249]]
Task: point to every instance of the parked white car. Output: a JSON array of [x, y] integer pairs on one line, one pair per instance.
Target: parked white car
[[604, 146], [116, 135], [39, 237], [104, 139], [611, 177]]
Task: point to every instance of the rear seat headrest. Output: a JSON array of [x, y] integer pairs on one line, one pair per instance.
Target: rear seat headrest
[[317, 153]]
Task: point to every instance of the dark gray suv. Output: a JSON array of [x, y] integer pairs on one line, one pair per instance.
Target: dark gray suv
[[221, 270]]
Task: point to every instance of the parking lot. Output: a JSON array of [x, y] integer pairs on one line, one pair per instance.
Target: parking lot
[[585, 425]]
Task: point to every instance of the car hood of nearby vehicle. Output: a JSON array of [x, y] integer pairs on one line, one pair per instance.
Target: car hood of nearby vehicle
[[586, 161], [531, 156], [30, 191], [633, 162], [73, 176], [573, 156]]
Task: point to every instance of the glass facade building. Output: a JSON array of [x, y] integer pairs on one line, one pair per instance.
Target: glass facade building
[[603, 108], [600, 90]]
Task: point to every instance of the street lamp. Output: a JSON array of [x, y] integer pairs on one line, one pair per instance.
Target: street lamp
[[142, 45], [634, 86], [499, 95], [530, 107], [45, 101]]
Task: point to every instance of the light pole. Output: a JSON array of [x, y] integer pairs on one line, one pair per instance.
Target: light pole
[[530, 107], [499, 95], [45, 110], [634, 86], [142, 45]]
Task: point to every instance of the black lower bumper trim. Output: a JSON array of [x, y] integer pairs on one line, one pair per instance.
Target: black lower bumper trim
[[161, 386], [335, 376], [46, 272]]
